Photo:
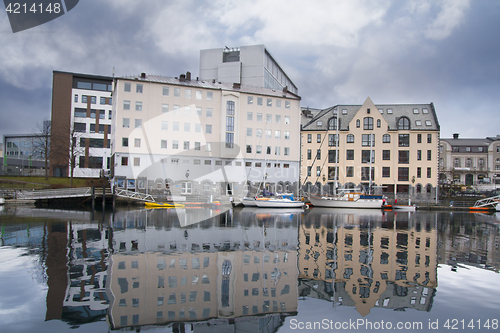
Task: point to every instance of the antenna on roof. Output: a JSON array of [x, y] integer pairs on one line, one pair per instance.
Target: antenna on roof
[[113, 71]]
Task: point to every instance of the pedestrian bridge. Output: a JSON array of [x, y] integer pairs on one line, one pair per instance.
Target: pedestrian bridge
[[488, 202], [80, 192]]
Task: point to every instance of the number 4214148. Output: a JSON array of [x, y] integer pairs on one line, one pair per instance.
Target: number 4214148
[[23, 8], [455, 324]]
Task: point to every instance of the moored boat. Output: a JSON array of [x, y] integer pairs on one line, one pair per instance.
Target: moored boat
[[407, 208], [349, 200], [163, 205], [279, 203]]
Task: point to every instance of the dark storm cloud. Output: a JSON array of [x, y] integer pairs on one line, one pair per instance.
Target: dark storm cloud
[[335, 52]]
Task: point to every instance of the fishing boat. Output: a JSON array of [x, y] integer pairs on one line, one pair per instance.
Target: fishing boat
[[163, 205]]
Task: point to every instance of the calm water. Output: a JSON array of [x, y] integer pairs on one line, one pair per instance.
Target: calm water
[[248, 270]]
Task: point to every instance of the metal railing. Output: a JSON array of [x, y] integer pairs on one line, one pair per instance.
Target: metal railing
[[55, 193], [492, 201], [135, 195]]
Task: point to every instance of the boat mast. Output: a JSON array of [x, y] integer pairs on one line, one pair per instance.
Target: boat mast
[[336, 151], [370, 171]]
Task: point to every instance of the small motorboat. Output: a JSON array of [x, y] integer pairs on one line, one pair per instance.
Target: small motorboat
[[163, 205]]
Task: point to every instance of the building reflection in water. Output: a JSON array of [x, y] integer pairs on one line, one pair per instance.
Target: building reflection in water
[[236, 270], [239, 270], [368, 259]]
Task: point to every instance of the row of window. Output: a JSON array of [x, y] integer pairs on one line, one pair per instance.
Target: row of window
[[137, 162], [269, 118], [468, 149], [403, 172], [82, 128], [93, 86], [468, 163], [198, 94], [82, 113], [171, 316], [366, 140], [403, 155], [93, 99], [269, 133], [269, 102]]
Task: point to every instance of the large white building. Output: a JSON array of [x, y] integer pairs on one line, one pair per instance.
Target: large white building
[[187, 137]]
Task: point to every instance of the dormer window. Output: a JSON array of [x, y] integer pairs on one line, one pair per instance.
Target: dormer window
[[403, 123]]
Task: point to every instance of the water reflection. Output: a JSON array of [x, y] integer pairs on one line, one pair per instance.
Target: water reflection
[[243, 269]]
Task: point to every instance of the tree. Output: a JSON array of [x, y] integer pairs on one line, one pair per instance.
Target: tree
[[41, 143]]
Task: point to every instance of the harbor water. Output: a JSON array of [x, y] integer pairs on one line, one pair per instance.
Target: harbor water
[[248, 270]]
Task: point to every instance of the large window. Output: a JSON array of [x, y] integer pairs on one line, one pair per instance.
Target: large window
[[332, 123], [404, 157], [349, 171], [365, 173], [386, 138], [331, 156], [404, 140], [368, 123], [365, 156], [349, 154], [403, 174], [429, 155], [332, 140], [403, 123], [80, 127], [366, 140], [230, 107], [386, 172], [350, 138], [386, 155]]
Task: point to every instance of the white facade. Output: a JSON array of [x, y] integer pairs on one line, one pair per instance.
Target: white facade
[[201, 138]]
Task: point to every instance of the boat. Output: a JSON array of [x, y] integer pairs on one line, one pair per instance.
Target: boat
[[279, 203], [248, 202], [407, 208], [348, 200], [163, 205]]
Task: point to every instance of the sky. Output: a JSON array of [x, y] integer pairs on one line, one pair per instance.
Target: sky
[[336, 52]]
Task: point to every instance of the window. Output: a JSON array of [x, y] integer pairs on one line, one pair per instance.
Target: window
[[208, 129], [124, 142], [332, 123], [404, 140], [318, 154], [379, 123], [365, 173], [368, 123], [331, 156], [175, 144], [269, 102], [386, 155], [176, 109], [277, 134], [210, 95], [415, 111], [209, 112], [467, 149], [259, 116], [165, 91], [287, 104], [138, 123], [318, 171], [332, 140], [309, 171], [127, 87], [164, 144], [381, 110], [309, 154], [319, 123], [187, 93], [344, 111], [366, 140], [287, 120], [419, 155], [269, 118], [198, 111], [358, 123], [186, 145], [164, 125], [386, 172], [249, 132], [250, 116], [175, 126], [419, 172], [349, 171], [287, 151], [386, 138], [404, 157], [418, 122], [277, 150], [278, 103], [198, 94], [480, 149], [318, 138], [177, 92], [126, 105], [403, 174], [124, 160], [389, 111], [258, 149], [349, 154], [350, 138], [259, 100], [258, 132], [365, 156], [419, 138], [428, 123], [250, 100], [309, 138], [278, 119], [229, 140], [138, 88], [403, 123], [456, 163], [138, 106], [137, 143], [197, 146], [126, 122], [102, 100], [187, 127], [287, 135], [429, 138], [425, 110], [429, 172], [137, 161], [429, 155]]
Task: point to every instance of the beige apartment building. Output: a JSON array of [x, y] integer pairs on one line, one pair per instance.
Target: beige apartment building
[[404, 141], [392, 265], [189, 137], [470, 162]]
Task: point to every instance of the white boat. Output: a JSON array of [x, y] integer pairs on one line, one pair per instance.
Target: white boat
[[407, 208], [248, 202], [278, 203], [348, 200]]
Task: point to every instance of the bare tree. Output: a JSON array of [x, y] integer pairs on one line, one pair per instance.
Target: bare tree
[[41, 143]]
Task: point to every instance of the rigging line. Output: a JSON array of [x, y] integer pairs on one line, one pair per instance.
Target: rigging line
[[316, 155]]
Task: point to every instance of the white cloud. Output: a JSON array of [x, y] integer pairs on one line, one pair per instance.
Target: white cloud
[[451, 16]]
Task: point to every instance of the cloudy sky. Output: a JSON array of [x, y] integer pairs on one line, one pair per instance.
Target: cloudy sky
[[336, 52]]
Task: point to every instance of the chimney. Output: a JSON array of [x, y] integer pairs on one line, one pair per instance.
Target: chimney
[[182, 78], [188, 76], [455, 135], [143, 75], [236, 85], [285, 89]]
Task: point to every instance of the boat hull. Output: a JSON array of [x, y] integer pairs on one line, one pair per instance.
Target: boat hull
[[404, 208], [278, 204], [343, 203], [163, 205]]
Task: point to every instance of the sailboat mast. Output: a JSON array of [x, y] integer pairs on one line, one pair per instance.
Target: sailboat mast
[[336, 151], [370, 171]]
